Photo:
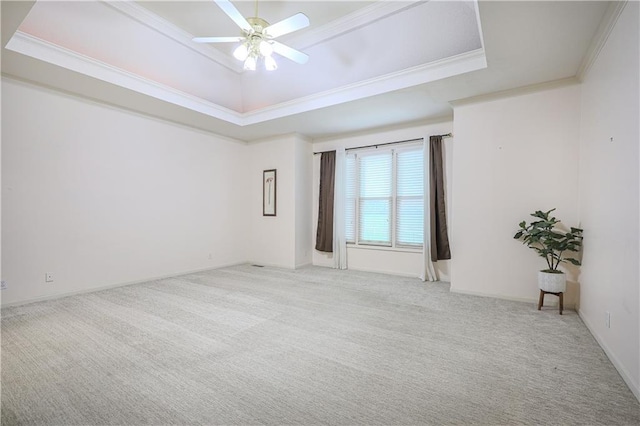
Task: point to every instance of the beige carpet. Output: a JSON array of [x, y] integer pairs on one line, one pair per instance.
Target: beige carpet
[[247, 345]]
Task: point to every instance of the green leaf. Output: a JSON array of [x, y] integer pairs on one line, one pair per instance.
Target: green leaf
[[553, 234], [547, 239]]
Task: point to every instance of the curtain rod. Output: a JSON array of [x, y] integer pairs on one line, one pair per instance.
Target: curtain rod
[[447, 135]]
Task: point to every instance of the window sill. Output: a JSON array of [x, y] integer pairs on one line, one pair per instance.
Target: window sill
[[384, 248]]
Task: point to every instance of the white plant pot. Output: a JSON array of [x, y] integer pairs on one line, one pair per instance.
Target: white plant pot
[[552, 283]]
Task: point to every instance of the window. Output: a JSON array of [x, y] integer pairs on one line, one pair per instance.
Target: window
[[384, 197]]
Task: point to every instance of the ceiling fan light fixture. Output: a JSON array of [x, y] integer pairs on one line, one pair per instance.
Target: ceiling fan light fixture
[[241, 52], [250, 63], [270, 63], [266, 49], [257, 35]]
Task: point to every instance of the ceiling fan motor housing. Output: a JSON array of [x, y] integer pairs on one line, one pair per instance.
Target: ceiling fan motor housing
[[258, 24]]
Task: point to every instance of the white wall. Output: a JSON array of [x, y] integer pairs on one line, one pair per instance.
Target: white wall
[[303, 200], [282, 240], [513, 155], [380, 259], [609, 196], [98, 196]]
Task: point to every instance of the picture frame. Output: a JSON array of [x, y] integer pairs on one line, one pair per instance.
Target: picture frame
[[269, 198]]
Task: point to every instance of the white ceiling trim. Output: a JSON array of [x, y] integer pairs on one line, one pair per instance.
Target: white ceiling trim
[[455, 65], [63, 57], [516, 91], [166, 28], [479, 21], [350, 22], [600, 39], [57, 55]]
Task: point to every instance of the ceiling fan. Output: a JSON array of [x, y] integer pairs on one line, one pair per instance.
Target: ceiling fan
[[257, 37]]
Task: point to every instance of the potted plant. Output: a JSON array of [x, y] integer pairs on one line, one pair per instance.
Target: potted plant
[[549, 242]]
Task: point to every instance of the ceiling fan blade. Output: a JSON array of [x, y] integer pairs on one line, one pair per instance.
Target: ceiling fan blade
[[233, 13], [290, 53], [217, 39], [286, 26]]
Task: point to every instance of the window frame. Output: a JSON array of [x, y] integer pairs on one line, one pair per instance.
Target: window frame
[[393, 245]]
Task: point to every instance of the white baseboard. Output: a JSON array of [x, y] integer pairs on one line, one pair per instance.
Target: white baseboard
[[270, 265], [377, 271], [109, 286], [383, 271], [548, 302], [323, 264], [634, 387], [504, 297]]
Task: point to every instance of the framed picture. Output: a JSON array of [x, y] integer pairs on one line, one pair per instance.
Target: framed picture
[[269, 192]]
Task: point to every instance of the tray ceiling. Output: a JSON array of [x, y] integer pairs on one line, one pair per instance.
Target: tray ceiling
[[395, 61]]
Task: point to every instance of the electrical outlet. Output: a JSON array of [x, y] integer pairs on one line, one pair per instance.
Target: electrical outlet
[[3, 285], [48, 277], [607, 319]]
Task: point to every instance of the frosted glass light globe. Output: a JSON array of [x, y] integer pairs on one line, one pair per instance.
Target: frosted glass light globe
[[250, 63], [241, 52], [265, 48]]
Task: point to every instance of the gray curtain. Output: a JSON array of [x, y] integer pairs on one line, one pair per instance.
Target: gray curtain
[[324, 235], [439, 238]]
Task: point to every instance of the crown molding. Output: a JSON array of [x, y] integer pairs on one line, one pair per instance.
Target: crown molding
[[166, 28], [600, 38], [351, 22], [43, 50], [425, 73], [479, 21], [116, 107], [518, 91]]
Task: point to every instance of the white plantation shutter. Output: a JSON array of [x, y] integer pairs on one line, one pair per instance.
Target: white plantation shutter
[[350, 198], [384, 197], [409, 197], [375, 187]]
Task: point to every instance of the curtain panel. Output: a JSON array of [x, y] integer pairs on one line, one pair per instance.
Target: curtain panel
[[438, 221], [324, 234], [428, 272], [339, 214]]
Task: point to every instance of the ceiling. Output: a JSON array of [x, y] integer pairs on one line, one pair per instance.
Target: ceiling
[[372, 63]]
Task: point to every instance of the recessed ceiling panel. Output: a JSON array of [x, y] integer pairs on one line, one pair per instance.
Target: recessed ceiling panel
[[385, 55], [370, 44], [102, 33], [421, 34], [204, 18]]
